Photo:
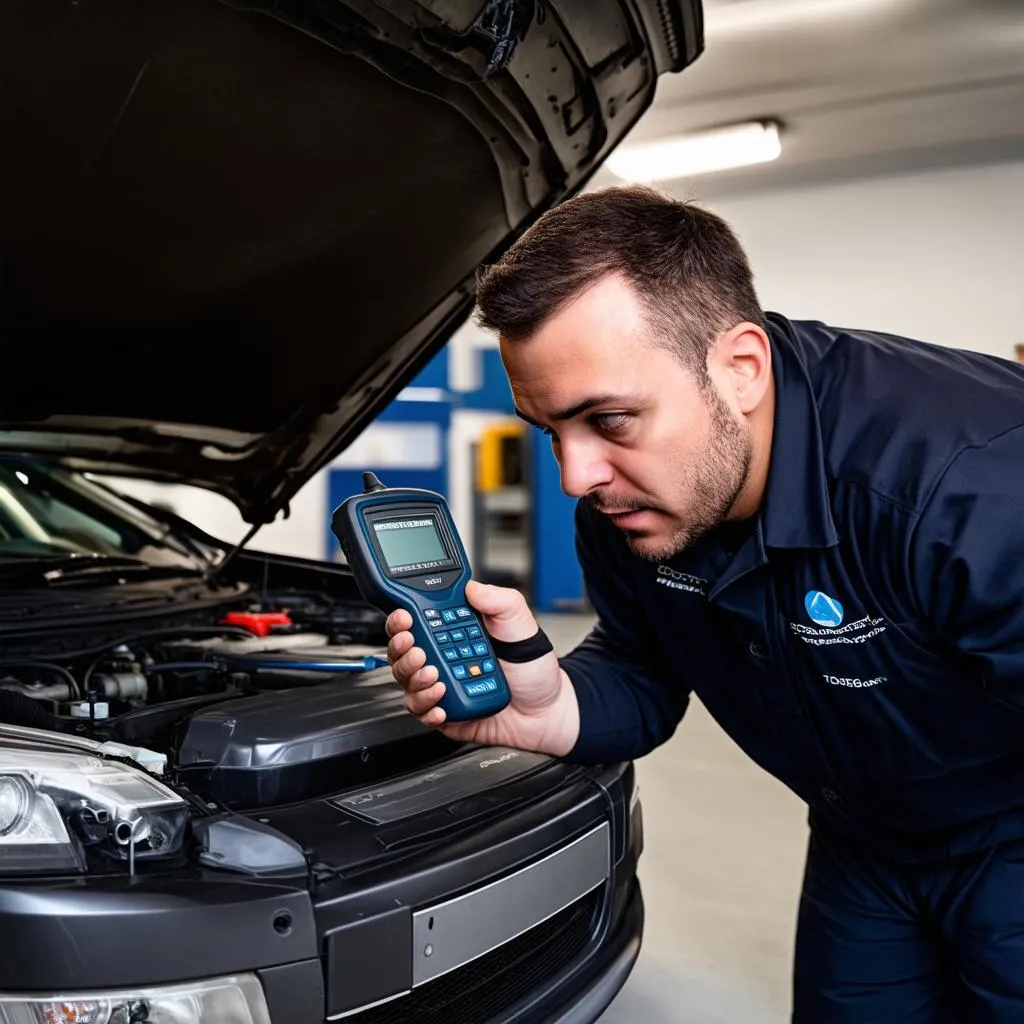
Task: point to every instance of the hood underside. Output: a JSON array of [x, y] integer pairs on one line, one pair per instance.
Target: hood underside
[[231, 232]]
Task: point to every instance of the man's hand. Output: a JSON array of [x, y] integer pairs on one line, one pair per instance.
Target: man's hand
[[543, 714]]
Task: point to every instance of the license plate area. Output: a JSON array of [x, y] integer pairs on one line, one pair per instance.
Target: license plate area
[[457, 931]]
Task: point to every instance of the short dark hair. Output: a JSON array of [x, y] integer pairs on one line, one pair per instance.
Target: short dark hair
[[686, 264]]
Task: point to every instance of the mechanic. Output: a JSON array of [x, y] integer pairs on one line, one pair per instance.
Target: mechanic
[[816, 532]]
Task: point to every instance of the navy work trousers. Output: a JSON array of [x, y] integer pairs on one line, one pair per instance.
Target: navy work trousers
[[886, 942]]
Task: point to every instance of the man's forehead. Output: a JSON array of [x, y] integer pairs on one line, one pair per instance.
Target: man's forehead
[[604, 321]]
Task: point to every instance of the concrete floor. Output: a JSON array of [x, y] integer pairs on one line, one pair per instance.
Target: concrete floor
[[724, 846]]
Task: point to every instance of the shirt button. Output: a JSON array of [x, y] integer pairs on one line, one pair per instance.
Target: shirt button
[[830, 795], [758, 650]]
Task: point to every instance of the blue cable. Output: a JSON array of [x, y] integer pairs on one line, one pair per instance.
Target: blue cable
[[367, 664]]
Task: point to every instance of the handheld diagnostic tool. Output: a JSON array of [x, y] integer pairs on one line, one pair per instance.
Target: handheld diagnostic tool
[[404, 551]]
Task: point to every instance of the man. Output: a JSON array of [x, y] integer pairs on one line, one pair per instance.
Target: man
[[816, 532]]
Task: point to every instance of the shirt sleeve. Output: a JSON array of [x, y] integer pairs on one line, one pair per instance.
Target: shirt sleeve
[[630, 699], [967, 563]]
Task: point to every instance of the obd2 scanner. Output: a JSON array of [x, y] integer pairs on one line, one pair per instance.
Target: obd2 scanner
[[405, 552]]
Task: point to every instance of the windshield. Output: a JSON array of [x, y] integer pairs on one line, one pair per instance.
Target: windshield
[[46, 511]]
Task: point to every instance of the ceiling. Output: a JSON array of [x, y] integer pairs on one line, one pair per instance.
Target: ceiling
[[860, 86]]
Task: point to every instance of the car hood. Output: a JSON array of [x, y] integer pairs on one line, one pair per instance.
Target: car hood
[[231, 232]]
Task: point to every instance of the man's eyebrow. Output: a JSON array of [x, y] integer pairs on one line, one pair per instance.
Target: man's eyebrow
[[580, 407]]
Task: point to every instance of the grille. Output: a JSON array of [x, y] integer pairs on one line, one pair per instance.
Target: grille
[[489, 984]]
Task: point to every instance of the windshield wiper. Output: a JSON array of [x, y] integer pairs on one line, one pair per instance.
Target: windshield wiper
[[57, 567]]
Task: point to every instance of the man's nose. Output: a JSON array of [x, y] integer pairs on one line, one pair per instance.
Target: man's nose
[[584, 468]]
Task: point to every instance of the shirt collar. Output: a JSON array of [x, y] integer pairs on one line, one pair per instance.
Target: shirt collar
[[796, 512]]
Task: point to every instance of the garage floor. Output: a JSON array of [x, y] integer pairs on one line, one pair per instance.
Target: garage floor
[[721, 872]]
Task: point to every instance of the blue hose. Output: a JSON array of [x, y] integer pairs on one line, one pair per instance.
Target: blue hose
[[367, 664]]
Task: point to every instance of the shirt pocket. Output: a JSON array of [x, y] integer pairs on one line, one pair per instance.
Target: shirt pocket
[[858, 655], [890, 707]]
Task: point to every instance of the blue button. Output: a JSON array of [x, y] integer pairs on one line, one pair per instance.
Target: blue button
[[474, 633], [449, 615], [488, 666], [442, 638], [464, 613], [430, 613], [484, 686], [465, 651], [459, 671], [480, 649], [449, 654], [458, 635], [434, 623]]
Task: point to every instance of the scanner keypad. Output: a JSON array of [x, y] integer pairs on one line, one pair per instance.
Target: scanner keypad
[[464, 648]]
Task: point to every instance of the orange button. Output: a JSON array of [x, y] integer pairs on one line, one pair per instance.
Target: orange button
[[474, 670]]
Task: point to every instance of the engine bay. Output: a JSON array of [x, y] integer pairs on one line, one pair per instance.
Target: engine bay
[[252, 708]]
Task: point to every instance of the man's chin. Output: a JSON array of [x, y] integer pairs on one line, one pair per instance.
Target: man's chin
[[654, 547], [659, 546]]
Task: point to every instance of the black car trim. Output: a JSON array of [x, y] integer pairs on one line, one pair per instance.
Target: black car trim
[[592, 1001]]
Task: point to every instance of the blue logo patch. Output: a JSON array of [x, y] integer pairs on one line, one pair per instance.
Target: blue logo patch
[[823, 610]]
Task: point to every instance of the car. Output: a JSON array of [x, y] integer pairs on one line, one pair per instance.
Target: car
[[232, 232]]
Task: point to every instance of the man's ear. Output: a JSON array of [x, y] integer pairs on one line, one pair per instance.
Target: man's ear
[[741, 362]]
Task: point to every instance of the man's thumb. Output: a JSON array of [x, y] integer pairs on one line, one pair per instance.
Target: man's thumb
[[508, 615]]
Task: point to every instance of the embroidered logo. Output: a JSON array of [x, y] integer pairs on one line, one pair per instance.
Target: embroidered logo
[[822, 609], [853, 681], [852, 633], [676, 580]]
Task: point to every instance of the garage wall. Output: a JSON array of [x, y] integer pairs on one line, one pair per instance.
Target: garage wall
[[301, 534], [934, 255]]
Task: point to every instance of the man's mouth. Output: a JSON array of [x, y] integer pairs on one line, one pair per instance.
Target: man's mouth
[[629, 518], [627, 514]]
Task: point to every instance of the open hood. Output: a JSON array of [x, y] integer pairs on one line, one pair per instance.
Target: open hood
[[231, 232]]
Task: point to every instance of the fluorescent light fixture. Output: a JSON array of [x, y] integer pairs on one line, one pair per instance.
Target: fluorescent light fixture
[[682, 156], [754, 15]]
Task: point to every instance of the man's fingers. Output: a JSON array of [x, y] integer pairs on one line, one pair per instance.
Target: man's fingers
[[433, 718], [422, 678], [422, 702], [398, 622], [506, 611], [399, 645], [408, 663]]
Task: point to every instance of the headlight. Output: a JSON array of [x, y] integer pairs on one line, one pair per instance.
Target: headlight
[[56, 807], [236, 1000]]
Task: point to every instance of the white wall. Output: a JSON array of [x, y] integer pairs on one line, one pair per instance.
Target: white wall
[[933, 255], [936, 255], [302, 534]]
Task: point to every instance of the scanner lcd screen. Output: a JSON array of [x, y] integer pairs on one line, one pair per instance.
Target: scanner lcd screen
[[410, 544]]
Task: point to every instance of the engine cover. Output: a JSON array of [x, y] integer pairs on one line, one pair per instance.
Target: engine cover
[[290, 745]]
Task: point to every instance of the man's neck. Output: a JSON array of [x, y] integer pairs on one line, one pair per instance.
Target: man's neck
[[751, 496]]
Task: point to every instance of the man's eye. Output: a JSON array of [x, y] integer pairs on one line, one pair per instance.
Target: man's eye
[[611, 422]]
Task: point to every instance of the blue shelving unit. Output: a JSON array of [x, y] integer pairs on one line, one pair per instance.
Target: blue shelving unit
[[556, 581]]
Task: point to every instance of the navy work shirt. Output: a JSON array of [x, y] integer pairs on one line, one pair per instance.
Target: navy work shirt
[[864, 640]]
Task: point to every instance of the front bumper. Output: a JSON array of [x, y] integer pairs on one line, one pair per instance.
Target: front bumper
[[619, 955], [349, 949], [577, 994]]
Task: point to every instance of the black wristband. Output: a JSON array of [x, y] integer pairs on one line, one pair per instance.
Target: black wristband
[[529, 649]]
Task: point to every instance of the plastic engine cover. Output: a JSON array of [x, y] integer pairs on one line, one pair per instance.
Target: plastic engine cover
[[300, 744]]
